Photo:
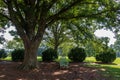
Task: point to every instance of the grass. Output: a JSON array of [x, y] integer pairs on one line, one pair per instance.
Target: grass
[[90, 59], [7, 58], [109, 71], [39, 58], [117, 61]]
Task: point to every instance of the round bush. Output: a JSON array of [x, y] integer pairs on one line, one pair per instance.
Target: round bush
[[107, 56], [77, 54], [3, 54], [18, 55], [97, 57], [49, 55]]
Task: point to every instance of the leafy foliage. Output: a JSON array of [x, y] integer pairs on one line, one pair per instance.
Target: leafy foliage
[[56, 34], [117, 43], [106, 56], [14, 44], [18, 55], [49, 55], [96, 45], [2, 39], [3, 54], [77, 54]]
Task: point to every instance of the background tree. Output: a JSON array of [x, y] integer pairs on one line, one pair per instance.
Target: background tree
[[116, 45], [56, 34], [81, 31], [14, 44], [32, 17], [68, 33], [105, 41], [94, 46]]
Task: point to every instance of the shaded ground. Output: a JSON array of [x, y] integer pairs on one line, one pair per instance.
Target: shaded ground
[[49, 71]]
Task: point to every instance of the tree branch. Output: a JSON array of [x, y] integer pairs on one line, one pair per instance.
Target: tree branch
[[18, 11], [15, 20], [5, 16], [92, 15], [54, 17], [51, 3], [66, 8]]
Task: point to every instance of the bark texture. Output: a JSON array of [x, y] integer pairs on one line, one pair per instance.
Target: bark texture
[[30, 57]]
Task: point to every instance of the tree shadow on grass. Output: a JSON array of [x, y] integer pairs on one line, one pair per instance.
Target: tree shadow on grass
[[109, 71], [106, 63]]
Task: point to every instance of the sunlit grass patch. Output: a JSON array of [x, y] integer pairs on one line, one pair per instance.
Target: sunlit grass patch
[[7, 58], [39, 58], [57, 60], [90, 59], [117, 61]]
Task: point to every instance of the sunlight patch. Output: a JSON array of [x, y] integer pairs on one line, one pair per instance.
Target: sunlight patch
[[2, 76], [22, 79], [102, 69], [60, 72]]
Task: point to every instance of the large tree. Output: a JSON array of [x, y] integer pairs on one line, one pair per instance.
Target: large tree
[[32, 17]]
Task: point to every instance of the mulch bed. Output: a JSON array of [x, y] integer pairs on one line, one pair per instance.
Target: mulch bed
[[49, 71]]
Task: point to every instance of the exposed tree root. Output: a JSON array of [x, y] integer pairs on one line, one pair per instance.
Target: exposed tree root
[[26, 67]]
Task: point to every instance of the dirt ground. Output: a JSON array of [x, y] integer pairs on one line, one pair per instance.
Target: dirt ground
[[48, 71]]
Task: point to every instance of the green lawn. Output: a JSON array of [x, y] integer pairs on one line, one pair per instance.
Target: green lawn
[[90, 59], [109, 71], [9, 59]]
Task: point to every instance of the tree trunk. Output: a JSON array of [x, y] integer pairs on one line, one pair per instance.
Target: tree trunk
[[30, 57], [56, 47]]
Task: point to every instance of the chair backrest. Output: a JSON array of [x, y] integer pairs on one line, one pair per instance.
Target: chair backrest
[[63, 61]]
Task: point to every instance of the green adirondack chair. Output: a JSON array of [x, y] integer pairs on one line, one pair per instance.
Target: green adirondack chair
[[63, 62]]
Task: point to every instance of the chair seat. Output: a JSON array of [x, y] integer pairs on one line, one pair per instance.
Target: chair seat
[[63, 62]]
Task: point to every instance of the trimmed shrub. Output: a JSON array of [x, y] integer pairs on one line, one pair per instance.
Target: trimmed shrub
[[77, 54], [49, 55], [97, 57], [3, 54], [18, 55], [107, 56]]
